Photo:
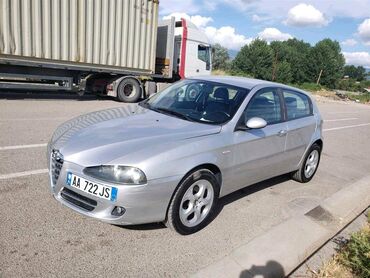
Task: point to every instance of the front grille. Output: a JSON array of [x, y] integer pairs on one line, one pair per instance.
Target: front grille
[[56, 164], [78, 200]]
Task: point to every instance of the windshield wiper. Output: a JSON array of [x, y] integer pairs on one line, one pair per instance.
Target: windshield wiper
[[171, 112]]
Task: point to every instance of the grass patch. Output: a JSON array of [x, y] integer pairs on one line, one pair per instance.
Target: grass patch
[[312, 87], [363, 98], [219, 72], [230, 73], [353, 258], [333, 269], [356, 253]]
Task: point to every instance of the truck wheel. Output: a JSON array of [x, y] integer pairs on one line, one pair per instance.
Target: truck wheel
[[129, 90], [194, 202]]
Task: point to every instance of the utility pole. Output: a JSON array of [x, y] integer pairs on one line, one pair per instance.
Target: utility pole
[[318, 79], [274, 65]]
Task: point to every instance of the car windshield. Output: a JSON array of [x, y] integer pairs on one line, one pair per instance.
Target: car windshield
[[197, 100]]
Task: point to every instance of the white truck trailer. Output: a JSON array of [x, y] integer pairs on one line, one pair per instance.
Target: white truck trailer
[[109, 47]]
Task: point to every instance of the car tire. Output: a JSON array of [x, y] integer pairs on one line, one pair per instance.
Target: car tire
[[309, 165], [193, 203], [129, 90]]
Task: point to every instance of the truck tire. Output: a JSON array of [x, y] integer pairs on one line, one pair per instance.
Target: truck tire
[[129, 90]]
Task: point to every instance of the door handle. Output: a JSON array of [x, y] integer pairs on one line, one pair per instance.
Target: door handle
[[282, 132]]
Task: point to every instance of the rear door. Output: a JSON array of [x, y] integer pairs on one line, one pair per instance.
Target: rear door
[[301, 125]]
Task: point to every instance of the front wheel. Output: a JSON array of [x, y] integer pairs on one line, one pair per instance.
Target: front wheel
[[309, 165], [194, 202]]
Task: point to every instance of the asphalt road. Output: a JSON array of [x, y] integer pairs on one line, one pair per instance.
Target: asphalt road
[[40, 237]]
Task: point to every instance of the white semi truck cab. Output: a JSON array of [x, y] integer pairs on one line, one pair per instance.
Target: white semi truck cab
[[117, 49], [192, 50], [182, 51]]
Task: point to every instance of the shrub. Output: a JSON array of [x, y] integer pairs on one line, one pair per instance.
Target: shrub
[[356, 253], [310, 87]]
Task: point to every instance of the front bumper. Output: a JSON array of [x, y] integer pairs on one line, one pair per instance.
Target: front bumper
[[143, 203]]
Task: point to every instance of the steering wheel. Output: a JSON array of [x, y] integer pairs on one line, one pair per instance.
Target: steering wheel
[[192, 92]]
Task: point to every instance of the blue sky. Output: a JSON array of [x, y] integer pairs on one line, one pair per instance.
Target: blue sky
[[233, 23]]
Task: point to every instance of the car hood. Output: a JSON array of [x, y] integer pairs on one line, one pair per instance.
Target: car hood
[[100, 137]]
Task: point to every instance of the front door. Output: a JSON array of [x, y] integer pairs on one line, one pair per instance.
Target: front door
[[258, 154]]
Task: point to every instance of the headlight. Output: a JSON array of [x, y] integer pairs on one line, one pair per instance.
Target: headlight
[[116, 174]]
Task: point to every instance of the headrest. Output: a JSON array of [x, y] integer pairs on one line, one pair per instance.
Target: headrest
[[221, 93], [261, 101], [291, 101]]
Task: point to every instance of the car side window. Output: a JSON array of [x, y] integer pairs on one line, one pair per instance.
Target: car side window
[[297, 104], [265, 104]]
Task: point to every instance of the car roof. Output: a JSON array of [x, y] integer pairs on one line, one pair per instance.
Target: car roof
[[243, 82]]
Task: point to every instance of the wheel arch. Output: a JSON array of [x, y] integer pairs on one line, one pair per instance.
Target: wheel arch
[[317, 141], [320, 143], [207, 166]]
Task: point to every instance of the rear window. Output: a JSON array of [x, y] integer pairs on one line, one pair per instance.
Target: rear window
[[298, 105]]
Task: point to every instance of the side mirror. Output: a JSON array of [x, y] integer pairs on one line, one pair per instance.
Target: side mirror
[[255, 123]]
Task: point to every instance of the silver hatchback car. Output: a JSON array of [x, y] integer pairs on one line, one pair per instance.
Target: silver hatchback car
[[171, 157]]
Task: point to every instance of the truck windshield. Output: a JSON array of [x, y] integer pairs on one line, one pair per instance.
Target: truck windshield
[[197, 100]]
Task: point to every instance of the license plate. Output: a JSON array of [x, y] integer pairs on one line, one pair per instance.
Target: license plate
[[92, 188]]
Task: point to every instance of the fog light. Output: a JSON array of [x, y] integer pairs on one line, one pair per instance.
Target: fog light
[[118, 211]]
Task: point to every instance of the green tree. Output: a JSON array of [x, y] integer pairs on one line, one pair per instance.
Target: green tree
[[326, 57], [220, 58], [255, 59], [283, 72], [299, 60], [357, 73], [295, 53]]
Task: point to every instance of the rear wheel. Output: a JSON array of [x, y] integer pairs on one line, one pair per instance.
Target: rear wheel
[[129, 90], [309, 165], [194, 202]]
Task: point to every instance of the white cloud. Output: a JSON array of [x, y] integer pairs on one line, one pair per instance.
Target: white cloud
[[239, 4], [273, 34], [357, 58], [227, 37], [349, 9], [257, 18], [304, 15], [349, 42], [210, 5], [173, 6], [197, 20], [364, 31], [278, 9], [200, 21]]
